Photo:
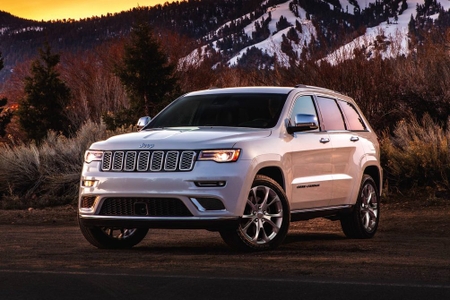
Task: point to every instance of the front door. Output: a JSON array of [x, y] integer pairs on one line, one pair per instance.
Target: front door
[[311, 162]]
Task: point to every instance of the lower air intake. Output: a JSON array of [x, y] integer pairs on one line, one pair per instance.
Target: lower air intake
[[154, 207]]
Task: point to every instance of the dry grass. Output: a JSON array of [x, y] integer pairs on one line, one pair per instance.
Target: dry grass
[[417, 157], [49, 174]]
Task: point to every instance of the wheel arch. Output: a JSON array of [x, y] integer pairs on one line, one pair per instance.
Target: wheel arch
[[275, 173], [375, 173]]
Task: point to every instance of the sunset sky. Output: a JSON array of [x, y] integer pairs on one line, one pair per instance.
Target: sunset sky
[[74, 9]]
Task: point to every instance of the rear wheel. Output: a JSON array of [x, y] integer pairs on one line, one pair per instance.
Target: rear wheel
[[265, 221], [363, 221], [113, 237]]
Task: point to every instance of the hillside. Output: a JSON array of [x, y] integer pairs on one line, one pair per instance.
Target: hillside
[[20, 38], [297, 30], [249, 33]]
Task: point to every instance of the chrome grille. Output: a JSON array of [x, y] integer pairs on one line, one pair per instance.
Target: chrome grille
[[157, 159], [148, 161], [187, 160], [143, 160], [106, 163], [117, 161], [170, 163], [130, 161]]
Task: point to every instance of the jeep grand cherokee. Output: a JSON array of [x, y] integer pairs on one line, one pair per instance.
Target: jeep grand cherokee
[[241, 161]]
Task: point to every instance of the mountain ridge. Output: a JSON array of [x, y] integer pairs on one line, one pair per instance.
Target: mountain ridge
[[249, 33]]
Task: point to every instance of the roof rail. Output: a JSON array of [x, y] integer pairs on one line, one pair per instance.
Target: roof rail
[[316, 87], [301, 85]]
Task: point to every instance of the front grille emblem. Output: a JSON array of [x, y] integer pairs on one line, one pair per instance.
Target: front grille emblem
[[146, 146]]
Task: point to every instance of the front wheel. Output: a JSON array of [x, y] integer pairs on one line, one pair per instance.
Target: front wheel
[[265, 221], [113, 237], [363, 222]]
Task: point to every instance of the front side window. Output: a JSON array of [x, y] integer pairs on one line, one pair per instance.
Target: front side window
[[256, 110], [331, 114], [303, 105]]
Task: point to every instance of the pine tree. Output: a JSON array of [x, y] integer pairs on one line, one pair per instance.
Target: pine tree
[[282, 23], [46, 98], [5, 114], [146, 73]]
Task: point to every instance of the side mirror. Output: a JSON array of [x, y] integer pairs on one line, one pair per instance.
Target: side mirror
[[142, 122], [303, 122]]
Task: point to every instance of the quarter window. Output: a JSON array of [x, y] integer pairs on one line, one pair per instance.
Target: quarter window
[[331, 114]]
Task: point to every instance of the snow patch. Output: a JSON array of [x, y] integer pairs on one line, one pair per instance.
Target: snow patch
[[388, 39]]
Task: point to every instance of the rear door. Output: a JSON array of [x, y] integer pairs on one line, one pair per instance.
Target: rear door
[[350, 151], [343, 126]]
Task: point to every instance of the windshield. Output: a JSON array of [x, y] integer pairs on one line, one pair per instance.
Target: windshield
[[232, 110]]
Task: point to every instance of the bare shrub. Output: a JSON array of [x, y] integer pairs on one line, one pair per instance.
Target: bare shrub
[[417, 155], [94, 86], [47, 175], [19, 174]]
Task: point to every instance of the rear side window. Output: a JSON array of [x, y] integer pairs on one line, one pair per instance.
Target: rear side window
[[352, 117], [331, 114]]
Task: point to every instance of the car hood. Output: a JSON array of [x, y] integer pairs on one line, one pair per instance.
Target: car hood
[[191, 138]]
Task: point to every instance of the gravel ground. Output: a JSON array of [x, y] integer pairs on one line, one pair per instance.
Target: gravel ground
[[411, 245]]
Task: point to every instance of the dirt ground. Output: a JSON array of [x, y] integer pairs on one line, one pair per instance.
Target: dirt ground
[[411, 245]]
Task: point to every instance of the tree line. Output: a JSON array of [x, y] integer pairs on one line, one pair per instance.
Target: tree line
[[48, 103], [119, 81]]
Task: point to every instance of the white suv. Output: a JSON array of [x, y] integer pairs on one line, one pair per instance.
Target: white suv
[[241, 161]]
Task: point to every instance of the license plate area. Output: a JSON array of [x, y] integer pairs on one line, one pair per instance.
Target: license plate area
[[141, 209]]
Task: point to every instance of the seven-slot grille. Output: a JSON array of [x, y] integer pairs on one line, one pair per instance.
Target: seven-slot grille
[[148, 161]]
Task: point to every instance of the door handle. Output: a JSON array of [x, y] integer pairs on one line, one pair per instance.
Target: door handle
[[354, 139], [324, 140]]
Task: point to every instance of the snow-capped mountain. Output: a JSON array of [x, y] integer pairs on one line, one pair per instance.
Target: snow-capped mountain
[[248, 33], [272, 45], [386, 34], [394, 34]]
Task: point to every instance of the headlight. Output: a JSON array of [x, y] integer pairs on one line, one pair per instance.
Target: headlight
[[92, 155], [220, 155]]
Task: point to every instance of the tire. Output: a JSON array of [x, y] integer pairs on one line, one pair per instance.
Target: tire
[[265, 221], [113, 238], [362, 223]]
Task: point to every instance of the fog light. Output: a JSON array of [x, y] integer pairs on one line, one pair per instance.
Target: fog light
[[89, 183]]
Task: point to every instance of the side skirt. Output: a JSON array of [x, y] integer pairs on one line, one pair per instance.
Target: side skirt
[[331, 212]]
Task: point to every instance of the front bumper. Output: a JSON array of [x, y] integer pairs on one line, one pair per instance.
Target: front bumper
[[211, 196]]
